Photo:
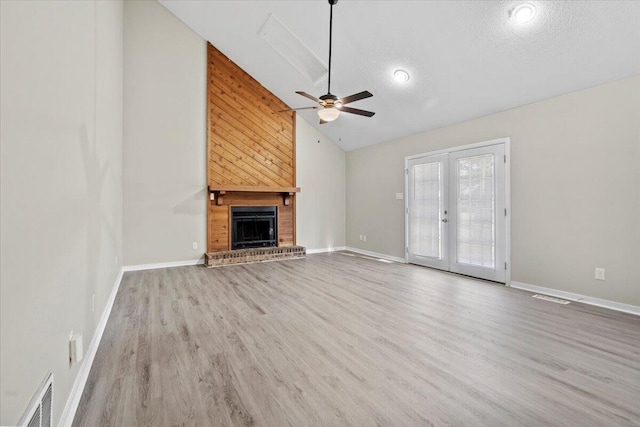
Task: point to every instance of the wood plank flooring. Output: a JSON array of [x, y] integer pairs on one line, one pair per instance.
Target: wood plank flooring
[[337, 339]]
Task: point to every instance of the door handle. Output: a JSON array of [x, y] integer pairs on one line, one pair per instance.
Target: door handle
[[445, 220]]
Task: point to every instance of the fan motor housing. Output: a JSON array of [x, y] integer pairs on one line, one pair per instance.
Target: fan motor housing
[[329, 96]]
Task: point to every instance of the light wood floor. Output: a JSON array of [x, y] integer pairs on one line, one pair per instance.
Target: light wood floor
[[337, 340]]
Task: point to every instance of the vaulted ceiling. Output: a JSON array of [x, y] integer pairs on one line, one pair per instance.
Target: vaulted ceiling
[[466, 59]]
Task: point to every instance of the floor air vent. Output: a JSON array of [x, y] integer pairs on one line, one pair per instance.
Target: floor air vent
[[366, 257], [38, 413], [552, 299]]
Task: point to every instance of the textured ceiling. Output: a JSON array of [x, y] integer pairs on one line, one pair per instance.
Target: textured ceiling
[[466, 58]]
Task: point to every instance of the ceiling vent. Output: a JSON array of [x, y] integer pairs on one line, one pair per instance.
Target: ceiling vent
[[287, 44]]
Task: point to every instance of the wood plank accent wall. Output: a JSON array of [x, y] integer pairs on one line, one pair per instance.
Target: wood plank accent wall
[[249, 143]]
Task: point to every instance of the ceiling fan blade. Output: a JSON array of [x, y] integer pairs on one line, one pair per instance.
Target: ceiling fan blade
[[322, 122], [355, 97], [356, 111], [311, 97], [301, 108]]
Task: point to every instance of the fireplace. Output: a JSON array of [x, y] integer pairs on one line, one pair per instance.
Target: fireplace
[[254, 227]]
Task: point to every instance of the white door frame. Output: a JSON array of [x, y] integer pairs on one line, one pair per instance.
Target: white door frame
[[507, 188]]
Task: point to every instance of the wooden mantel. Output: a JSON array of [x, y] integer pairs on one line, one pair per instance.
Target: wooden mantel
[[220, 190]]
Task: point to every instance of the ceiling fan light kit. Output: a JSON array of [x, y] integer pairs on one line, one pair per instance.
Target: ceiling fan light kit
[[330, 105], [328, 114]]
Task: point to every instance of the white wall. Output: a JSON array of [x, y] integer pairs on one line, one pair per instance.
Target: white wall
[[575, 189], [320, 205], [61, 181], [165, 92]]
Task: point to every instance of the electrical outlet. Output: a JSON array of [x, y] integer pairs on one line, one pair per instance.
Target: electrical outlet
[[399, 196], [599, 273], [195, 245], [93, 303], [364, 237], [361, 237]]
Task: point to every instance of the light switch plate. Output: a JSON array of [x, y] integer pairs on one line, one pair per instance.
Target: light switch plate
[[399, 196], [75, 348]]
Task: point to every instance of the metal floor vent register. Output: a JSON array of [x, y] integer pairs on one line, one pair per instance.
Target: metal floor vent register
[[388, 261], [38, 413], [552, 299]]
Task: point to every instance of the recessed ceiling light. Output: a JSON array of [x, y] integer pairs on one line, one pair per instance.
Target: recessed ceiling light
[[523, 13], [400, 76]]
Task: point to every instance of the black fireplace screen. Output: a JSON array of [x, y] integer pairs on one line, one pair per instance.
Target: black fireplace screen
[[254, 227]]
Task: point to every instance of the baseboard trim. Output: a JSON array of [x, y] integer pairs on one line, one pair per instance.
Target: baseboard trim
[[375, 254], [325, 250], [613, 305], [73, 400], [163, 265]]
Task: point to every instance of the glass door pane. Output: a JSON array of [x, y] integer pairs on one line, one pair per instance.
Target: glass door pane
[[425, 215], [476, 216], [426, 211]]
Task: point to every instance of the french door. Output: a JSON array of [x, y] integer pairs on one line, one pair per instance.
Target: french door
[[456, 211]]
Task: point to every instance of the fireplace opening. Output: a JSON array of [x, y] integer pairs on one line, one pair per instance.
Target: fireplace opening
[[254, 227]]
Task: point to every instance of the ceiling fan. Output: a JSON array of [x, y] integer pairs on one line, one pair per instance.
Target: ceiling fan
[[330, 106]]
